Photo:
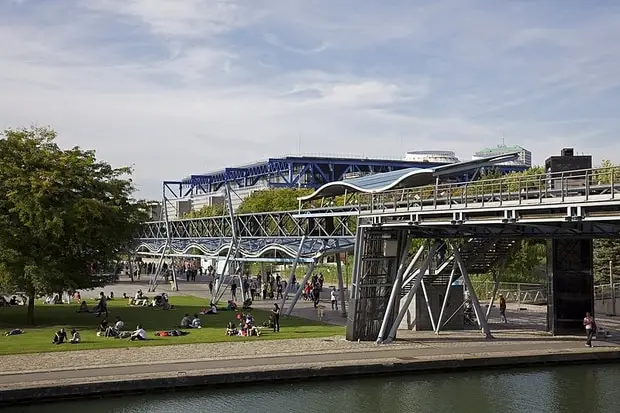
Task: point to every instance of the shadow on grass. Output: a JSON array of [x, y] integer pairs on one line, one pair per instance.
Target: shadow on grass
[[49, 318]]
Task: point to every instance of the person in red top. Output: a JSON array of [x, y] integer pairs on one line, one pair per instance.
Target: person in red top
[[590, 325]]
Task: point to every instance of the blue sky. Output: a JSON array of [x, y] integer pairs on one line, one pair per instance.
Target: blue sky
[[187, 86]]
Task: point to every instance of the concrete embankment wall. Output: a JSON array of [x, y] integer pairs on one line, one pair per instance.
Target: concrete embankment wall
[[286, 374]]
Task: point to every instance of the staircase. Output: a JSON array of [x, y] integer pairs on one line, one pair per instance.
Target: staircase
[[479, 255]]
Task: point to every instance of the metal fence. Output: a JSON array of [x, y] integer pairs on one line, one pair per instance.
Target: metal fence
[[522, 293]]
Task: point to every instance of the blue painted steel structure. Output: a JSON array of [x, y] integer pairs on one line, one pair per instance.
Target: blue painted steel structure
[[297, 171]]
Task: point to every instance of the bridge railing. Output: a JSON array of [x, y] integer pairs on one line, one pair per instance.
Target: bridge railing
[[515, 189], [606, 292], [522, 293], [336, 222]]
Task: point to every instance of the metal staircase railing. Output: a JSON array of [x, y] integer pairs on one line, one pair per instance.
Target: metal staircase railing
[[480, 256]]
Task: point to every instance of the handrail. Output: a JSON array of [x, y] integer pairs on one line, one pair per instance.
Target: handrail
[[514, 188]]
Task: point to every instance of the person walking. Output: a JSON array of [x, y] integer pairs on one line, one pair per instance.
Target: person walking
[[590, 326], [233, 291], [502, 308], [275, 313], [333, 299]]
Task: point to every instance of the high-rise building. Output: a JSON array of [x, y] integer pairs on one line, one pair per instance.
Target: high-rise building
[[525, 156]]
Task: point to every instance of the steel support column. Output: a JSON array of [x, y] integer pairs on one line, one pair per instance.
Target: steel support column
[[445, 299], [290, 278], [301, 288], [341, 296], [496, 278], [482, 322], [357, 262], [428, 305], [409, 297], [397, 287], [160, 263]]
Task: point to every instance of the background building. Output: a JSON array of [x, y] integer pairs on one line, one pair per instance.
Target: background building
[[525, 156], [444, 157], [208, 189]]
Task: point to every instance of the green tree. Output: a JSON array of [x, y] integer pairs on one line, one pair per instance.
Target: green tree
[[63, 215], [271, 200], [207, 211], [523, 262], [606, 250]]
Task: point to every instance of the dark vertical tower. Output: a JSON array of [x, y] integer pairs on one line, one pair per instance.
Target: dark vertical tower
[[569, 262]]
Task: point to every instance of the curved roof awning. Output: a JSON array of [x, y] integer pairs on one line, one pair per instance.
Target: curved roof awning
[[403, 178]]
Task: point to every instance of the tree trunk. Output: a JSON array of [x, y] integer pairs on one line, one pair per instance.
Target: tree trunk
[[30, 316]]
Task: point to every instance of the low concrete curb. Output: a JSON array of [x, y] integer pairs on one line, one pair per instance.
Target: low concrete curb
[[284, 373]]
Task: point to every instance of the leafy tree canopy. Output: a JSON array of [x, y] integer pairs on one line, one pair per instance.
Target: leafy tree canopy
[[63, 215], [207, 211], [281, 199]]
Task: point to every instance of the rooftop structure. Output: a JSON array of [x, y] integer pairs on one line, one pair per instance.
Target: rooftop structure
[[432, 156], [525, 156]]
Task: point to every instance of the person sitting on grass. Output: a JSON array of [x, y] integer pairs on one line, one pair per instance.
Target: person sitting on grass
[[139, 334], [231, 330], [196, 323], [213, 309], [83, 308], [119, 325], [75, 336], [60, 336], [186, 322], [102, 328]]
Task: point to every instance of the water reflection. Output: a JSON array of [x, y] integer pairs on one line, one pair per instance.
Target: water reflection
[[573, 389]]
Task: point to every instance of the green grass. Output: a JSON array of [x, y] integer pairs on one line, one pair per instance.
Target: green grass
[[50, 318]]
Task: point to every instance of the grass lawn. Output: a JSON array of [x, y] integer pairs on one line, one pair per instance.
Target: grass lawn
[[50, 318]]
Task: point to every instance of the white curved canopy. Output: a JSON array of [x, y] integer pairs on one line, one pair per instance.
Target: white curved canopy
[[403, 178]]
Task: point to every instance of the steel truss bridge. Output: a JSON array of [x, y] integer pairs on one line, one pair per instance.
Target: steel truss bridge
[[476, 224]]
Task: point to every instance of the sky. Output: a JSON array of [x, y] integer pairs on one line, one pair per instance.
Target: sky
[[180, 87]]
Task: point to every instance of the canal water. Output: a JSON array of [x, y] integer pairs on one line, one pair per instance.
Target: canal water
[[574, 389]]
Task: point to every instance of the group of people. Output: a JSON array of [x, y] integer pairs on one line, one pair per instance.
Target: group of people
[[13, 301], [247, 324], [117, 330], [61, 337]]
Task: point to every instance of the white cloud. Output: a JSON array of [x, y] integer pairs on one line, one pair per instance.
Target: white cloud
[[184, 87]]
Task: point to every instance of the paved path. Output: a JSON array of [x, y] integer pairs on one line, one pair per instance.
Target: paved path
[[386, 354]]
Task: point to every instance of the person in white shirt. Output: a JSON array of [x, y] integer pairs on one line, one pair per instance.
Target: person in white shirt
[[196, 323], [334, 299], [590, 325], [119, 325], [139, 334], [75, 337]]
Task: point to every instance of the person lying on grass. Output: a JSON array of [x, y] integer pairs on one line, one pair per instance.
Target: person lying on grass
[[171, 333], [14, 332]]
